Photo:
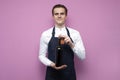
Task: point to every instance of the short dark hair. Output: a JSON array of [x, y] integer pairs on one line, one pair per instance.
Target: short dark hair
[[59, 6]]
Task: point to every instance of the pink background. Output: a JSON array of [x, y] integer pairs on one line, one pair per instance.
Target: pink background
[[21, 24]]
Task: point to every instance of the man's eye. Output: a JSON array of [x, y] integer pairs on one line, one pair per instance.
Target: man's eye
[[62, 13], [56, 14]]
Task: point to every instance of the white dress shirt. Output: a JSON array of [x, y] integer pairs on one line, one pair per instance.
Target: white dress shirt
[[78, 49]]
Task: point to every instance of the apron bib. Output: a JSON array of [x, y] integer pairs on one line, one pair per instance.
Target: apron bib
[[67, 57]]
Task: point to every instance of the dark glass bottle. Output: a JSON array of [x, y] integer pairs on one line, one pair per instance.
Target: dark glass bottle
[[59, 52]]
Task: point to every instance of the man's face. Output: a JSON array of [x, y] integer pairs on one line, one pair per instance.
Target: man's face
[[59, 16]]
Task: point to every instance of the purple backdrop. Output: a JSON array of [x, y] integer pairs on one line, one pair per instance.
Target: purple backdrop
[[21, 24]]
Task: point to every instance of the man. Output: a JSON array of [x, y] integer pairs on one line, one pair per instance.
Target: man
[[72, 45]]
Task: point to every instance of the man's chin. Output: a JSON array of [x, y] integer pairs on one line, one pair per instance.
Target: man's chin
[[60, 23]]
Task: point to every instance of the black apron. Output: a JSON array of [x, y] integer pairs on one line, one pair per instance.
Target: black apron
[[67, 58]]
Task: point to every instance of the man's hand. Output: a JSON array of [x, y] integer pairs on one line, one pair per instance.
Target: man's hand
[[58, 68], [67, 40]]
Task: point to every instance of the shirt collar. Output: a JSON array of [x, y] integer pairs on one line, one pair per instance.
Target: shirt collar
[[60, 29]]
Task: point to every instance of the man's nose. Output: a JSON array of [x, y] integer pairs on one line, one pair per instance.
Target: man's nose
[[59, 15]]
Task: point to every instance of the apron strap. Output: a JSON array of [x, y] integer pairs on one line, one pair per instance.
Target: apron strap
[[69, 34], [53, 32]]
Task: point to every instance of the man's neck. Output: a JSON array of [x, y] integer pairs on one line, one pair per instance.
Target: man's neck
[[60, 26]]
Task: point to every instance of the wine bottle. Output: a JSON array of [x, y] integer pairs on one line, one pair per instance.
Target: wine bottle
[[59, 52]]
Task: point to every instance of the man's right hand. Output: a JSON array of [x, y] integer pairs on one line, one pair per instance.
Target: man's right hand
[[58, 68]]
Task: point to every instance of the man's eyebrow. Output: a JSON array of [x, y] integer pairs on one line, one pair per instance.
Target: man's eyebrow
[[62, 13]]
